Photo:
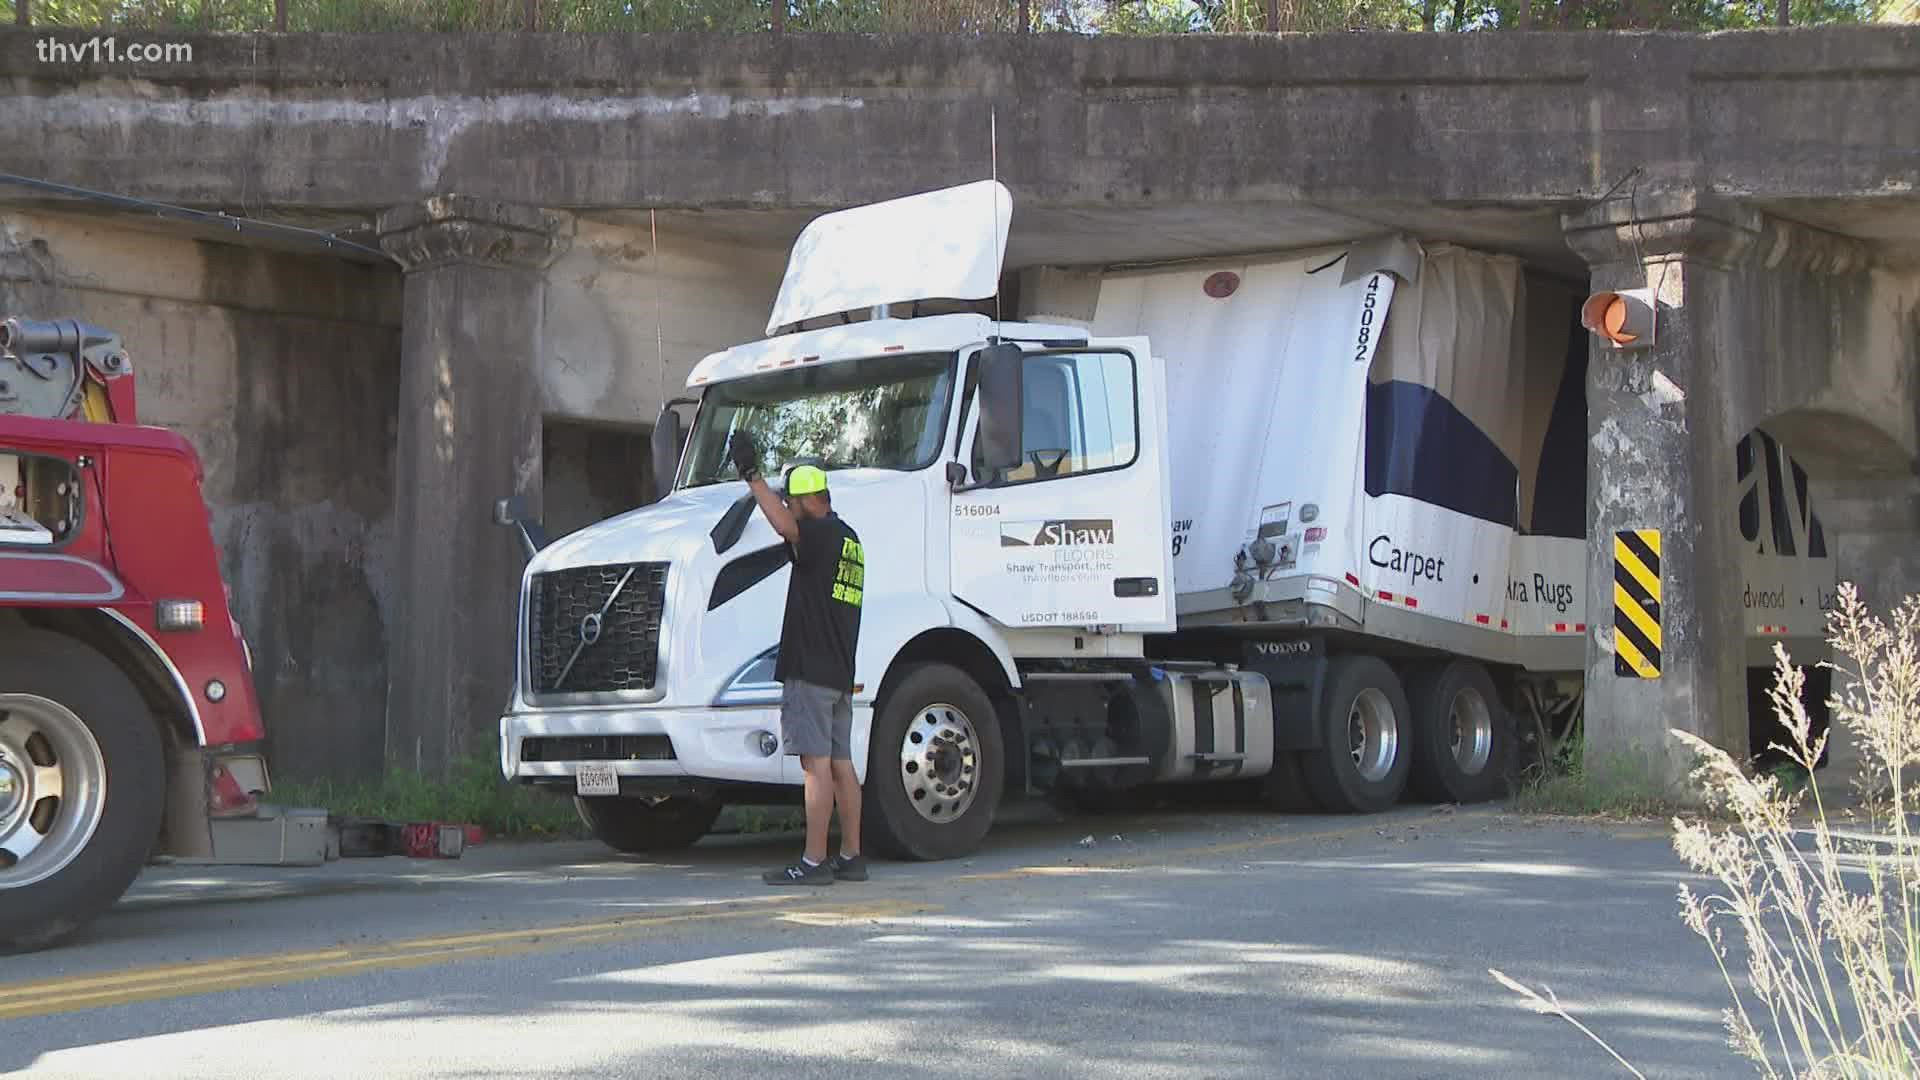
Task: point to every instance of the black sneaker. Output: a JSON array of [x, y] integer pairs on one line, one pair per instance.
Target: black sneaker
[[847, 868], [799, 873]]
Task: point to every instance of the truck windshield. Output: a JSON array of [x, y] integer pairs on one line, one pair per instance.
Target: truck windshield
[[882, 413]]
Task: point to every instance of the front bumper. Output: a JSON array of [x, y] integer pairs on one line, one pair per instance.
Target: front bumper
[[706, 744]]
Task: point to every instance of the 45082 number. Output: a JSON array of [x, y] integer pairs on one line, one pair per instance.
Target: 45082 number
[[1367, 308]]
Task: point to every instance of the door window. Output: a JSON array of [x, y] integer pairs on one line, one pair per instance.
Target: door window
[[40, 501], [1079, 415]]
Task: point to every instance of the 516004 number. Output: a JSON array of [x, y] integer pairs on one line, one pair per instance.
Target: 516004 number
[[974, 510]]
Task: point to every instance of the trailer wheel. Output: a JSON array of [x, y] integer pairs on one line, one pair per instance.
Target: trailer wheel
[[82, 787], [1361, 765], [1463, 737], [638, 826], [935, 766]]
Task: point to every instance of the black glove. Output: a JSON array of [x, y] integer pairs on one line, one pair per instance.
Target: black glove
[[744, 454]]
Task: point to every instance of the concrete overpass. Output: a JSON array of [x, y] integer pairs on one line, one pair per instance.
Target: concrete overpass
[[359, 417]]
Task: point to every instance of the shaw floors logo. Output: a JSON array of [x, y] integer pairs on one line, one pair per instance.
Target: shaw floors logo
[[1077, 532]]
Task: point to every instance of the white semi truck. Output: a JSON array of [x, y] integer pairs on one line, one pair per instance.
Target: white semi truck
[[1311, 521]]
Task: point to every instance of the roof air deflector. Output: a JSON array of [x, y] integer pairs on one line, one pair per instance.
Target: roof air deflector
[[945, 244]]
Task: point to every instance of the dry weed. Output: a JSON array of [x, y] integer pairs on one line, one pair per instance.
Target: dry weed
[[1814, 921]]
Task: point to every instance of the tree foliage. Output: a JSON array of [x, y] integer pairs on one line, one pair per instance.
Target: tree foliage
[[1156, 17]]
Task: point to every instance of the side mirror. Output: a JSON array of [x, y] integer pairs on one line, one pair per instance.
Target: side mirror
[[1001, 423], [669, 438], [513, 512]]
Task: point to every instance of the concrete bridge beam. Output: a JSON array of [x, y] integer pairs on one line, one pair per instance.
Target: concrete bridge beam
[[472, 307]]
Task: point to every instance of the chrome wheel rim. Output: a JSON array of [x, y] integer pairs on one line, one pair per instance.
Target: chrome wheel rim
[[1373, 735], [1471, 737], [939, 763], [53, 788]]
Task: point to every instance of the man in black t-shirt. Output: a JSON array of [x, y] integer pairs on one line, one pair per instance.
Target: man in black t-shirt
[[818, 642]]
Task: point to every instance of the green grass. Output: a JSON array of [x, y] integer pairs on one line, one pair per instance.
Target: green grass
[[1617, 788], [474, 795], [762, 819]]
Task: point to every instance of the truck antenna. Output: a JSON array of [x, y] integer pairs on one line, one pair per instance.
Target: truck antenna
[[993, 152], [659, 339]]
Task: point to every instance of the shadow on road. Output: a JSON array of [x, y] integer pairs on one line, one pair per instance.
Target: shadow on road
[[1364, 955]]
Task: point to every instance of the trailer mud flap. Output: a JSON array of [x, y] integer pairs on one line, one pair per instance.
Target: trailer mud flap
[[1296, 671]]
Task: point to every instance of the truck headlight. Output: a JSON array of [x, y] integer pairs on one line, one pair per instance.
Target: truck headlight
[[753, 684]]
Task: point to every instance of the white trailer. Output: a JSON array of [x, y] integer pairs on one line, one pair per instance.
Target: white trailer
[[1312, 521]]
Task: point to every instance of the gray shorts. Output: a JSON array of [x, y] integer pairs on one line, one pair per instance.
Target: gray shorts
[[815, 721]]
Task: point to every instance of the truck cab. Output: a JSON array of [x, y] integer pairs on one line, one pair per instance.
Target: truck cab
[[1008, 483]]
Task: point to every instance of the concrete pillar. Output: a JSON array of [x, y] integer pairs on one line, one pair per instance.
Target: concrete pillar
[[470, 432], [1662, 424]]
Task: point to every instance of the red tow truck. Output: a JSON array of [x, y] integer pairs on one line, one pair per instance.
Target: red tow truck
[[129, 725]]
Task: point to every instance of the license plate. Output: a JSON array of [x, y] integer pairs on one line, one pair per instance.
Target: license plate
[[596, 780]]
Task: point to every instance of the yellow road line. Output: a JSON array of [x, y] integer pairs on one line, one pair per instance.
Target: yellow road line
[[73, 993], [148, 984], [11, 993]]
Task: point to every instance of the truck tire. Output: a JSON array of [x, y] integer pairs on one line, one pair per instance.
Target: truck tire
[[637, 826], [82, 787], [1362, 763], [935, 766], [1463, 740]]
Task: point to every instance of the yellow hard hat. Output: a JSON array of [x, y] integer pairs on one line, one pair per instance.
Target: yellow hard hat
[[806, 480]]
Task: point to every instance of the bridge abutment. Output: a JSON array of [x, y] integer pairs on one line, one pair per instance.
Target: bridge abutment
[[472, 313], [1660, 458]]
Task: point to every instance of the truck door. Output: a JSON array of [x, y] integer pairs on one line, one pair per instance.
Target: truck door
[[1077, 534]]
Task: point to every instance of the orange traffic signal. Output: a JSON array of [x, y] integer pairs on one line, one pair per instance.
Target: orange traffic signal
[[1624, 319]]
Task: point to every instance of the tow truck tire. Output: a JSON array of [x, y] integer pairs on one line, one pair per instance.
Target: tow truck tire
[[1463, 740], [638, 826], [93, 728], [935, 766], [1362, 763]]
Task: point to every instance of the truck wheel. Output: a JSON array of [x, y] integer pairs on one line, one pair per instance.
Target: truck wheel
[[1361, 765], [935, 767], [82, 787], [639, 826], [1463, 735]]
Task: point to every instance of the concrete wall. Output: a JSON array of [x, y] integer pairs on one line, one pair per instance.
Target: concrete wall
[[1833, 344], [1876, 523], [818, 120], [281, 371], [609, 295], [591, 473]]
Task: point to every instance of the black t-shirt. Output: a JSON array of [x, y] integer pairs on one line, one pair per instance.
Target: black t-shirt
[[823, 605]]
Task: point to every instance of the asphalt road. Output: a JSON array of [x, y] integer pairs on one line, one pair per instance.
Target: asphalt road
[[1202, 944]]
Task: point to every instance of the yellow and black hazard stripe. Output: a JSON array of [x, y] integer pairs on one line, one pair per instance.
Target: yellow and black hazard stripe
[[1636, 603]]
